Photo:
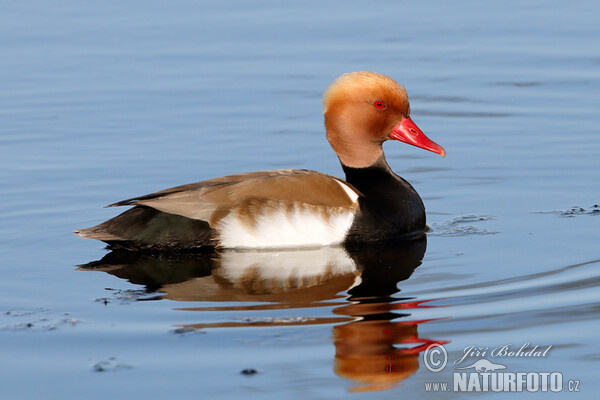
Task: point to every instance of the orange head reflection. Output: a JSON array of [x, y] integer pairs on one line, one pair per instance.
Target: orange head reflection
[[378, 354], [365, 352]]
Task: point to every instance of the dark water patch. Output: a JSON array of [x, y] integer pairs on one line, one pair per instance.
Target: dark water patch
[[110, 365], [249, 371], [127, 296], [38, 320], [460, 226], [21, 313], [182, 331], [574, 211]]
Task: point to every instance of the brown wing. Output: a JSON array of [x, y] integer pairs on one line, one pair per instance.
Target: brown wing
[[215, 182], [213, 199], [190, 212]]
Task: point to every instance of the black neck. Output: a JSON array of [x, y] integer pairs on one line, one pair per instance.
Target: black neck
[[390, 207]]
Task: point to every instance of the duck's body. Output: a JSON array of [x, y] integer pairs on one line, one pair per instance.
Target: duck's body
[[294, 208]]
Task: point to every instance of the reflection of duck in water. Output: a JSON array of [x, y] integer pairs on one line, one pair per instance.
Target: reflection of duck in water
[[372, 324], [297, 277], [293, 208], [380, 349]]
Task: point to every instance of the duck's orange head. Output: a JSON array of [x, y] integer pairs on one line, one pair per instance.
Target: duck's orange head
[[364, 109]]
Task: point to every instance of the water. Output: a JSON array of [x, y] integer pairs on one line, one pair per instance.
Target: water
[[105, 101]]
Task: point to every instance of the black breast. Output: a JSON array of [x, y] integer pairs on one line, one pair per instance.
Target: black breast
[[390, 208]]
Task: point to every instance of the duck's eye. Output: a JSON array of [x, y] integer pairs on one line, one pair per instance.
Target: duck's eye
[[379, 104]]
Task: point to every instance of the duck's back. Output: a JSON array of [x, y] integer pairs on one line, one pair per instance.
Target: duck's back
[[277, 208]]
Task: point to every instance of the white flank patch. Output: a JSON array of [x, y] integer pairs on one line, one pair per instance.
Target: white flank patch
[[279, 228], [351, 193]]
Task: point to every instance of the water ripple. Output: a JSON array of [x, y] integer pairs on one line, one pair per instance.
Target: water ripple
[[458, 226], [574, 211]]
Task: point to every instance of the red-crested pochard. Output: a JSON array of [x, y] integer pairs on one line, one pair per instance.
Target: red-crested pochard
[[294, 207]]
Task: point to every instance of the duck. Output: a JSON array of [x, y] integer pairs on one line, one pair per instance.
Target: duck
[[294, 208]]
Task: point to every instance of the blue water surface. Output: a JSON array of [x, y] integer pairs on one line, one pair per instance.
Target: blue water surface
[[102, 101]]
